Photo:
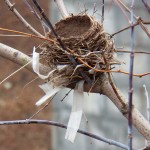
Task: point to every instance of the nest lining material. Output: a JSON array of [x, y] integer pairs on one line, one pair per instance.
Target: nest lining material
[[88, 41]]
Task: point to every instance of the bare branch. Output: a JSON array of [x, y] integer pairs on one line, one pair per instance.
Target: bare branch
[[141, 124], [57, 124], [103, 10], [18, 15], [79, 59], [28, 35], [146, 5], [136, 52], [126, 28], [19, 58], [62, 8], [130, 93], [126, 8], [139, 20], [71, 58], [102, 86], [148, 111]]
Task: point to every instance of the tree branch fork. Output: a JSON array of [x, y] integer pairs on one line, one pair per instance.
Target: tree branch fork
[[102, 86]]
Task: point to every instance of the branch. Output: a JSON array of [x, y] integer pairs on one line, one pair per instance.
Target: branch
[[103, 10], [136, 52], [20, 58], [130, 93], [140, 123], [146, 5], [139, 20], [25, 23], [102, 86], [62, 8], [71, 58], [145, 148], [57, 124]]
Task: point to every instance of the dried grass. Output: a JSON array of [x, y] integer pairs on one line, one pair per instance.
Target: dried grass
[[88, 41]]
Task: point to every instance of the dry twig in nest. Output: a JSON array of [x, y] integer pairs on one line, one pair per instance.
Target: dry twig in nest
[[84, 38]]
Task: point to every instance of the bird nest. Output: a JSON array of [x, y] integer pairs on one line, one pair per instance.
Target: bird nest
[[85, 41]]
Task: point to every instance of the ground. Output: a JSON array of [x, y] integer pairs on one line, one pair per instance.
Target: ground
[[17, 102]]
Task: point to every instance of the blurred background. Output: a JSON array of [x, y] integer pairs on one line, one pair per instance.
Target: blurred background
[[17, 97]]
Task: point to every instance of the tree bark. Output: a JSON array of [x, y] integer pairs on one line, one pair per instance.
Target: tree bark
[[102, 86]]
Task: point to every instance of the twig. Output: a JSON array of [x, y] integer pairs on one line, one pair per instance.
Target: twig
[[80, 60], [102, 86], [32, 10], [146, 5], [32, 36], [15, 72], [57, 124], [20, 94], [136, 52], [113, 71], [122, 9], [28, 35], [145, 148], [88, 129], [135, 17], [72, 59], [144, 27], [66, 95], [62, 8], [108, 91], [126, 8], [103, 8], [131, 81], [126, 28], [17, 14], [21, 59], [42, 108], [148, 112], [111, 83]]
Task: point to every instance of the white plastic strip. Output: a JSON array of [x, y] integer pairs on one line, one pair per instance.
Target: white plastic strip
[[76, 114], [35, 65], [148, 103], [49, 90]]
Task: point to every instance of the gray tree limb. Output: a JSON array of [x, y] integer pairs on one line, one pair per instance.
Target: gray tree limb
[[102, 86], [57, 124], [19, 16]]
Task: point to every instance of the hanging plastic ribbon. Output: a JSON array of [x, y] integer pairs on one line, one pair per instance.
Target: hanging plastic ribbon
[[76, 114]]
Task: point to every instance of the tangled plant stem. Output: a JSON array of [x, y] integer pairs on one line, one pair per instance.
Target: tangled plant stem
[[72, 52]]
